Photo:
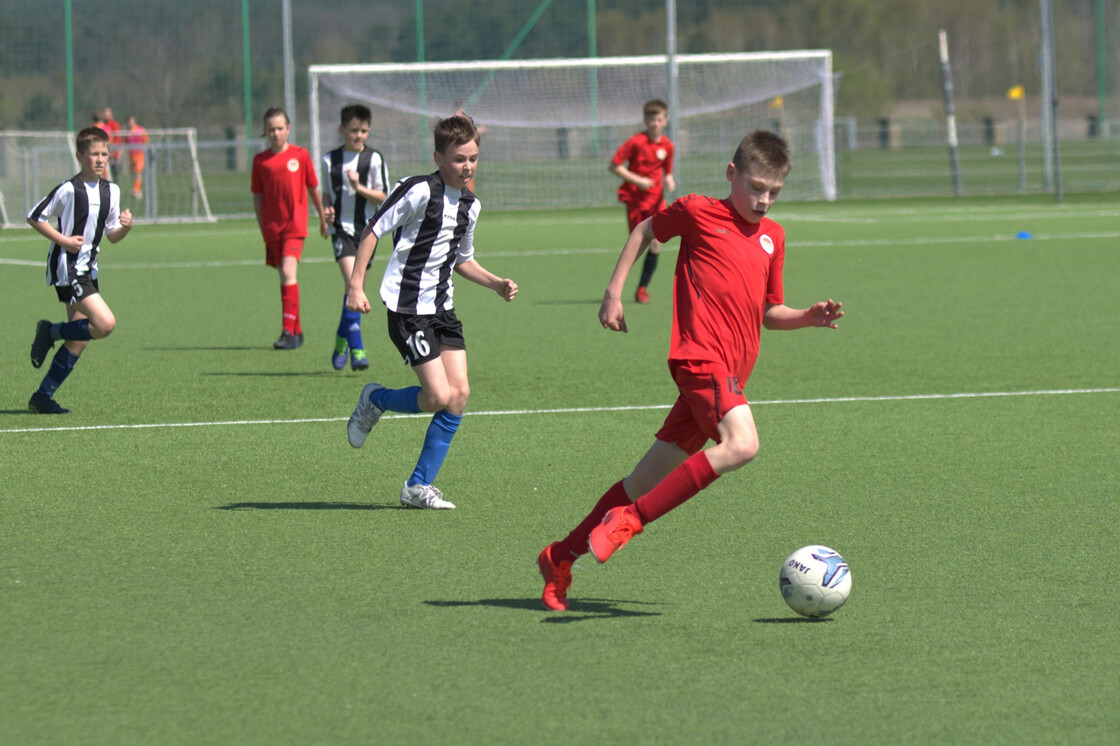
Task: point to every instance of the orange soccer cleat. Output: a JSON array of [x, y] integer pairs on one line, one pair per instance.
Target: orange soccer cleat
[[557, 579], [618, 527], [642, 295]]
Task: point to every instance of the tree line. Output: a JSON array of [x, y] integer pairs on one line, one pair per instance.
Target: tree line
[[180, 64]]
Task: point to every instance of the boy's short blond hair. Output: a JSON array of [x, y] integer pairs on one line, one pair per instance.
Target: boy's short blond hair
[[764, 149], [455, 130], [90, 135]]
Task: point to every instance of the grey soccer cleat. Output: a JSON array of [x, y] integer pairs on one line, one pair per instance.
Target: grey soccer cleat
[[365, 416], [424, 496]]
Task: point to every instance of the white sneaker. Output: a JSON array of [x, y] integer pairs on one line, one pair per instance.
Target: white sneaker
[[424, 496], [365, 416]]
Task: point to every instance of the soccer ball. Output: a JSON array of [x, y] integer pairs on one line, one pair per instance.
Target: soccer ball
[[815, 581]]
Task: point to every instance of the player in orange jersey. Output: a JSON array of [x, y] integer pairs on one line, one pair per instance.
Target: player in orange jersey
[[136, 139]]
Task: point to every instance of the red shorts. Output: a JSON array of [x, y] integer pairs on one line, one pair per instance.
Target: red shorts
[[636, 212], [707, 393], [274, 251]]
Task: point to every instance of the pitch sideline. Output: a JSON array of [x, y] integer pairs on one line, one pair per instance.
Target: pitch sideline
[[566, 410]]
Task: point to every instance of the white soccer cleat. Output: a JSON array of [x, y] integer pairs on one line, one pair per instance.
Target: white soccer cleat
[[365, 416], [424, 496]]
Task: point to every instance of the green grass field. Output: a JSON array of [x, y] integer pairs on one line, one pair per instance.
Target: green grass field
[[196, 555]]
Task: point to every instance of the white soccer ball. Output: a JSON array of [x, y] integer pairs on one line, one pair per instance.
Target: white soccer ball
[[815, 581]]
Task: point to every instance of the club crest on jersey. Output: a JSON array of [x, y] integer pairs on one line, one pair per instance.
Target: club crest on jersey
[[662, 153], [293, 165], [767, 244]]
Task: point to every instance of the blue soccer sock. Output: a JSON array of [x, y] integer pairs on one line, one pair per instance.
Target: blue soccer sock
[[406, 401], [64, 362], [350, 326], [437, 441], [77, 331]]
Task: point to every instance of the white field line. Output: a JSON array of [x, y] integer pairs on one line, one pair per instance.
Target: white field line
[[566, 410], [844, 244]]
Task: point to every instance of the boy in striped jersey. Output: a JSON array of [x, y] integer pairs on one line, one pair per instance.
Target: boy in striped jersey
[[431, 219], [86, 208], [355, 181]]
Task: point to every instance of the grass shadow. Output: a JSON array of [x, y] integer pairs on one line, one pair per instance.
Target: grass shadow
[[308, 506], [573, 302], [229, 348], [580, 611], [791, 620], [278, 374]]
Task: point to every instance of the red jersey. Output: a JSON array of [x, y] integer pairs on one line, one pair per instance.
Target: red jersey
[[645, 158], [728, 269], [283, 180]]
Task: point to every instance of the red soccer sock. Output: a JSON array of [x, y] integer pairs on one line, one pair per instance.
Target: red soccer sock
[[682, 483], [289, 303], [576, 543]]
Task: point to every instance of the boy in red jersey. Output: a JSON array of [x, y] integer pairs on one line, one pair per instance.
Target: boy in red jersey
[[645, 165], [283, 178], [727, 285]]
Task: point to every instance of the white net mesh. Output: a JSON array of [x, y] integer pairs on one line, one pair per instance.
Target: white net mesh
[[170, 189], [551, 126], [31, 164]]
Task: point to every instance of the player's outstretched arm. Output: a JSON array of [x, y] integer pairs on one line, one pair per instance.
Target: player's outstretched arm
[[356, 299], [476, 273], [610, 311], [824, 314], [317, 200]]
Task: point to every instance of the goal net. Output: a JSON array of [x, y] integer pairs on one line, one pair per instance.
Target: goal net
[[171, 188], [31, 164], [550, 127]]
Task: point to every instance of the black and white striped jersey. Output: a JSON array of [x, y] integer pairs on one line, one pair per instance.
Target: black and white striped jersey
[[433, 230], [78, 206], [351, 210]]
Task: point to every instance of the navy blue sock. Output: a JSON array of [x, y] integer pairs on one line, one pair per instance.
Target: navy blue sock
[[437, 441], [647, 268], [61, 366], [73, 330], [397, 400]]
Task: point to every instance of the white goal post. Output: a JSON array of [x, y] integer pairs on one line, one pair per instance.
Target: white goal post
[[550, 127]]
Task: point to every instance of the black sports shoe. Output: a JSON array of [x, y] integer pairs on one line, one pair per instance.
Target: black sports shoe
[[43, 404], [42, 343], [288, 341]]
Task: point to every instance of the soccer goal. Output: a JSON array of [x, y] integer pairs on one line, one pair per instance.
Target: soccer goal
[[550, 127], [31, 164], [172, 190]]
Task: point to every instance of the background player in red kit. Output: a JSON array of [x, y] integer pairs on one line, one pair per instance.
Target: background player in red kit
[[727, 285], [645, 165], [283, 178]]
